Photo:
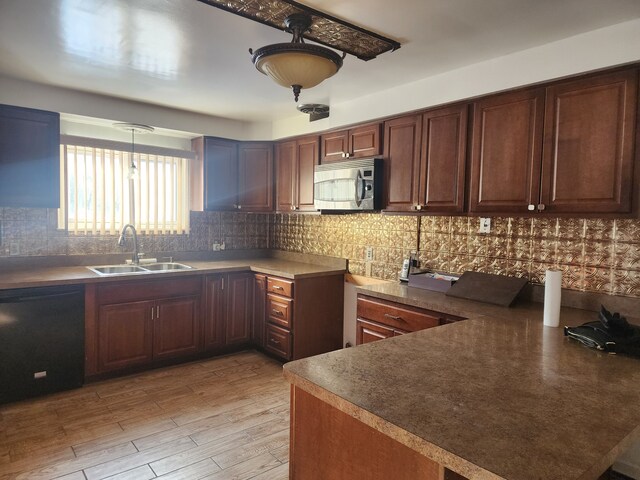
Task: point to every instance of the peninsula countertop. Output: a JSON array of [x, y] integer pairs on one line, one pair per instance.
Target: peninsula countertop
[[498, 396]]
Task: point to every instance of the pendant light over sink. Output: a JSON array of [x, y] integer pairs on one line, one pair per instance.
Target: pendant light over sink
[[297, 65]]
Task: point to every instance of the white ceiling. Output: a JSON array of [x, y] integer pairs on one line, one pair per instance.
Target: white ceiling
[[190, 56]]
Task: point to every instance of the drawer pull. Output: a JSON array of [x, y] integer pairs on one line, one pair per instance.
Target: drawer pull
[[277, 312], [277, 287], [393, 317], [274, 341]]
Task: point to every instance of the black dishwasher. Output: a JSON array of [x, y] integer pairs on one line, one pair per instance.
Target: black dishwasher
[[41, 341]]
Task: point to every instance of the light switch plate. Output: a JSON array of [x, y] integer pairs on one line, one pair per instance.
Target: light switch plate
[[485, 225]]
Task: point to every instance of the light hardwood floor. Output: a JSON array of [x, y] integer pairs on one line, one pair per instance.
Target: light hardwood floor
[[220, 419]]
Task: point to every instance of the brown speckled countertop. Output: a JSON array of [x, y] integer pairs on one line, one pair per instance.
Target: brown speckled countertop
[[498, 396], [33, 276]]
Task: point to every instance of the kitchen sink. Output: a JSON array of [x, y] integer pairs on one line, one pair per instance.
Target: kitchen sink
[[117, 269], [164, 267], [135, 269]]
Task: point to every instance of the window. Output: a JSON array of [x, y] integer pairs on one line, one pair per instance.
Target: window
[[97, 195]]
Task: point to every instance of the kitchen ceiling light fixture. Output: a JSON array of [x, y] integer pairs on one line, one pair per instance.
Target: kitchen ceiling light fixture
[[297, 65], [133, 128]]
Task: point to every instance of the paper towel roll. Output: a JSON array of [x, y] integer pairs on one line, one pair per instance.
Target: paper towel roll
[[552, 294]]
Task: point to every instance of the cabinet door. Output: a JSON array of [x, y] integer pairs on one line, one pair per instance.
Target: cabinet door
[[259, 305], [214, 319], [442, 165], [364, 141], [285, 170], [334, 146], [590, 128], [367, 332], [124, 335], [402, 162], [29, 158], [307, 159], [176, 327], [239, 298], [220, 174], [256, 177], [506, 154]]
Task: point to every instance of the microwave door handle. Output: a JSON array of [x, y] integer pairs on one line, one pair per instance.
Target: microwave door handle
[[360, 190]]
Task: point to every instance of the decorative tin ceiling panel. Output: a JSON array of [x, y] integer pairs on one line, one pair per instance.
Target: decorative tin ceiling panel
[[325, 29]]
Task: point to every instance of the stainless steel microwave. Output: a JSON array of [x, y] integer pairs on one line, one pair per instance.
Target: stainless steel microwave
[[351, 185]]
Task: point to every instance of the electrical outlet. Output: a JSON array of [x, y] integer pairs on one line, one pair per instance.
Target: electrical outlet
[[368, 254], [216, 247], [485, 225], [14, 248]]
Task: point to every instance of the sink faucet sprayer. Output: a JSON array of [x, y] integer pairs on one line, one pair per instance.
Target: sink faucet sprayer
[[135, 258]]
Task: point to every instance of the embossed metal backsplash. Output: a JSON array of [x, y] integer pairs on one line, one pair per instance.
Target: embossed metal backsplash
[[34, 232], [594, 255]]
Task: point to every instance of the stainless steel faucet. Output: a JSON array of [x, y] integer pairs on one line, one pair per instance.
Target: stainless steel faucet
[[135, 258]]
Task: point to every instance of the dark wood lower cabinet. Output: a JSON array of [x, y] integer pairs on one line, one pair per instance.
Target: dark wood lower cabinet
[[131, 325], [259, 309], [239, 309], [379, 319], [125, 335], [214, 312], [176, 327]]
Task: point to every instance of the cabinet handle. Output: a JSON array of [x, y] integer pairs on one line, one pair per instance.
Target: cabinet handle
[[158, 311], [152, 309], [293, 207], [531, 207], [347, 154], [277, 312], [277, 287], [393, 317], [239, 207], [541, 206], [222, 287]]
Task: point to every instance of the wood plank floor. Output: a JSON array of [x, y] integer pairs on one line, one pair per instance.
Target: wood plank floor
[[222, 418]]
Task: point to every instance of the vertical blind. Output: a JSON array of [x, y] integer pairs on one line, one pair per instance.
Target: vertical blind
[[95, 193]]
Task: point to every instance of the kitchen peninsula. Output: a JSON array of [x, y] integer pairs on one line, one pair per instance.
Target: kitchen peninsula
[[497, 396]]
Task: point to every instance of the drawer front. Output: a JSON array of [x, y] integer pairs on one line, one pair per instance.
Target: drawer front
[[280, 286], [397, 316], [280, 310], [278, 341]]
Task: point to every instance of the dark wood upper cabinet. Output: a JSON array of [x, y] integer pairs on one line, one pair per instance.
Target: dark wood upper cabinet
[[425, 158], [588, 154], [255, 177], [506, 152], [285, 170], [307, 159], [357, 142], [29, 158], [219, 173], [295, 162], [443, 160], [402, 142]]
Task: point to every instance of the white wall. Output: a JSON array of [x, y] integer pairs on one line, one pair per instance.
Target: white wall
[[594, 50], [56, 99]]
